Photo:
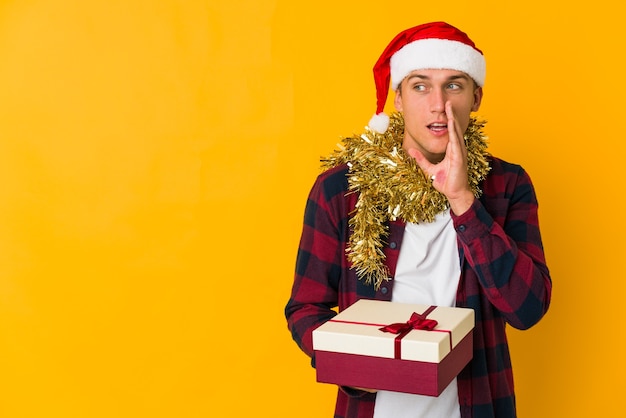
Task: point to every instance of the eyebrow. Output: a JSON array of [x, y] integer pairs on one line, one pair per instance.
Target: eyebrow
[[451, 78]]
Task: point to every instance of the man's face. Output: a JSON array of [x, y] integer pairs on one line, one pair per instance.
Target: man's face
[[421, 98]]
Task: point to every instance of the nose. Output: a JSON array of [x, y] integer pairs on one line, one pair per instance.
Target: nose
[[437, 101]]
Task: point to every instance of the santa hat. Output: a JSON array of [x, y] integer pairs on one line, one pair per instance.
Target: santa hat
[[436, 45]]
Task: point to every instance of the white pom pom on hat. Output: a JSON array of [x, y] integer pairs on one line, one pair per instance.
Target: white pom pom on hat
[[379, 122], [436, 45]]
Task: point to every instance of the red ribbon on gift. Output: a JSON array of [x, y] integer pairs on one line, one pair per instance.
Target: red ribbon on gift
[[417, 321]]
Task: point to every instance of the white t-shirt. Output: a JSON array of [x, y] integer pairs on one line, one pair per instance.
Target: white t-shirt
[[428, 272]]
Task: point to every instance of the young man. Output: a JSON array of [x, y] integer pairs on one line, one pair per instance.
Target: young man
[[416, 211]]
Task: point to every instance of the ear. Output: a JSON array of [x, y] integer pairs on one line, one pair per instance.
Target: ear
[[397, 101], [478, 97]]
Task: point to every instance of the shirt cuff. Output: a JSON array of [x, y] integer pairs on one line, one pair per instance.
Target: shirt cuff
[[472, 224]]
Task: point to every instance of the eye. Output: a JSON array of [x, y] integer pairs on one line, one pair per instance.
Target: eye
[[419, 87], [454, 86]]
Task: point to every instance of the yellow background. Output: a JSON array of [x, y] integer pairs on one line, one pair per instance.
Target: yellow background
[[155, 157]]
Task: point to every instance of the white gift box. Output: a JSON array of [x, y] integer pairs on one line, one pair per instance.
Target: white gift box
[[352, 350]]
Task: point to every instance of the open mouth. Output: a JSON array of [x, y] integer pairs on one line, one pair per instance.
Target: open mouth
[[438, 127]]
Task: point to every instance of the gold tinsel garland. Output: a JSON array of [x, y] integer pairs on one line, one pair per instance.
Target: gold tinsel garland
[[391, 186]]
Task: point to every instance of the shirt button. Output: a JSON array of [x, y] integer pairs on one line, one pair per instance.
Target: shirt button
[[462, 228], [384, 290], [393, 245]]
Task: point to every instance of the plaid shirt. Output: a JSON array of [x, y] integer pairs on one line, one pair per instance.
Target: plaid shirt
[[504, 278]]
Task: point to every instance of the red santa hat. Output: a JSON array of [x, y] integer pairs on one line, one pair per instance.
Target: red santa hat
[[436, 45]]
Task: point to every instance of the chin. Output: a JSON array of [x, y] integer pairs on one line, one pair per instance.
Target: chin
[[435, 158]]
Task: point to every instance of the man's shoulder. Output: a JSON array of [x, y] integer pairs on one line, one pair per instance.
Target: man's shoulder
[[505, 171], [338, 172], [331, 191], [505, 179], [500, 166], [334, 181]]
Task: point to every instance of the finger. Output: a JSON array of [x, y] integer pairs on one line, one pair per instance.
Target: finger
[[453, 127], [366, 390], [428, 168], [420, 159], [456, 140]]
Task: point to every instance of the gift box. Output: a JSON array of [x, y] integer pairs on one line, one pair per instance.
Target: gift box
[[399, 347]]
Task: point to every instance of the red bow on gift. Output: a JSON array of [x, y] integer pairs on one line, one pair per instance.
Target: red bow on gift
[[417, 321]]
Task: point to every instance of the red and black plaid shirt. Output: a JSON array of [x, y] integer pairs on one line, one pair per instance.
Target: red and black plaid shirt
[[504, 278]]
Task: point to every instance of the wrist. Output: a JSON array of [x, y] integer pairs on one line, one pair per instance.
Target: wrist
[[462, 204]]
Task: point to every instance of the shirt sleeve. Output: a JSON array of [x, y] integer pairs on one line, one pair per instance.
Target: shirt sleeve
[[314, 293], [501, 241]]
